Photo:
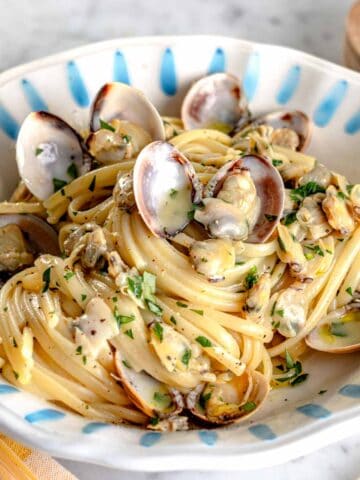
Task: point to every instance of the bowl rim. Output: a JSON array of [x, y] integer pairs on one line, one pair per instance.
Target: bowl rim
[[284, 448], [161, 40]]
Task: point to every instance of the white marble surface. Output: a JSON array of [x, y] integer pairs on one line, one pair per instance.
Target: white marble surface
[[31, 29]]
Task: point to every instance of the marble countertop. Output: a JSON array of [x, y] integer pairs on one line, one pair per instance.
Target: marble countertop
[[29, 30]]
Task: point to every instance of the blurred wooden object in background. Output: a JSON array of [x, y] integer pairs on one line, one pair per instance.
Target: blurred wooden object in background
[[352, 38]]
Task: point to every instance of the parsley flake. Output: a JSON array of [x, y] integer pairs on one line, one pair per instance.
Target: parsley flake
[[59, 184], [204, 342], [46, 279], [181, 304], [129, 333], [92, 184], [186, 357], [277, 162], [158, 331], [69, 275], [251, 278], [106, 126], [72, 171]]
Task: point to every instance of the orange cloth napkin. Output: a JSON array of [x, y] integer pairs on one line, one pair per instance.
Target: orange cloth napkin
[[20, 463]]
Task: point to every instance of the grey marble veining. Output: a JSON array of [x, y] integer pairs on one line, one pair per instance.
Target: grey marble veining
[[32, 29]]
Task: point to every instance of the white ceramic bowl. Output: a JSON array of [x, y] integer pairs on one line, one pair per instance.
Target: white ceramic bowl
[[296, 420]]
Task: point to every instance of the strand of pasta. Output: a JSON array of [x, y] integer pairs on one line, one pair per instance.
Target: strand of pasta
[[338, 272], [57, 204], [350, 284], [7, 208]]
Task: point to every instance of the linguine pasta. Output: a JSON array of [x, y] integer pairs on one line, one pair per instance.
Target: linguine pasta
[[126, 325]]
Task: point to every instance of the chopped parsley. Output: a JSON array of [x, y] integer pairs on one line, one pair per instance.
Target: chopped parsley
[[58, 184], [38, 151], [14, 342], [349, 291], [248, 406], [173, 193], [199, 312], [186, 357], [203, 399], [309, 255], [83, 297], [310, 188], [126, 138], [316, 249], [69, 275], [162, 399], [72, 171], [129, 333], [289, 218], [106, 126], [293, 371], [204, 342], [173, 320], [92, 184], [341, 195], [281, 244], [126, 364], [181, 304], [349, 188], [273, 309], [240, 263], [135, 285], [154, 420], [271, 218], [154, 307], [280, 312], [46, 279], [79, 350], [251, 278], [277, 162], [195, 206], [322, 392], [158, 330], [122, 319], [337, 329], [16, 375], [299, 379], [84, 359]]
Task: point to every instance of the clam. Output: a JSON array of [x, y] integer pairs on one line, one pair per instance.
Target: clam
[[216, 101], [233, 401], [337, 332], [49, 153], [292, 129], [40, 237], [166, 188], [122, 102], [152, 397], [244, 200]]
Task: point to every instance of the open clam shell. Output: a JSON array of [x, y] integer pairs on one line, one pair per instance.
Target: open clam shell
[[48, 152], [230, 402], [165, 188], [120, 101], [269, 188], [337, 332], [215, 101], [295, 120], [151, 396], [41, 237]]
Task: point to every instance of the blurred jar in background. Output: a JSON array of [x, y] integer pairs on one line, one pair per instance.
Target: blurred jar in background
[[352, 38]]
